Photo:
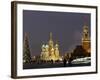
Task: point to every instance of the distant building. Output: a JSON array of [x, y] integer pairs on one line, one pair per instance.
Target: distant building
[[86, 43], [50, 51], [84, 49]]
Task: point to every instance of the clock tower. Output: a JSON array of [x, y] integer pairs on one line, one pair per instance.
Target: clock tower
[[86, 39]]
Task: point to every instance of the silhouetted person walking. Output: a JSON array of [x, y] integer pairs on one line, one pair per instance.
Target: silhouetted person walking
[[64, 62]]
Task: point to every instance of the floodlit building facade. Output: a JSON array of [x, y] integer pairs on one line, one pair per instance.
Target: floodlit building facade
[[50, 51]]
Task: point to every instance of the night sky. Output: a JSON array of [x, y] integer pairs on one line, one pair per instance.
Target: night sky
[[66, 29]]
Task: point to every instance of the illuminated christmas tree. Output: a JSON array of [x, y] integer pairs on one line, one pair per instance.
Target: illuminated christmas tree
[[26, 50]]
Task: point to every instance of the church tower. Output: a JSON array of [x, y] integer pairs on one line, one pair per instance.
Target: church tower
[[86, 39], [50, 51], [51, 43]]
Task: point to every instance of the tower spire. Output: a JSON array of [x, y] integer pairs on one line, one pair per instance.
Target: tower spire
[[50, 35], [51, 41], [85, 19]]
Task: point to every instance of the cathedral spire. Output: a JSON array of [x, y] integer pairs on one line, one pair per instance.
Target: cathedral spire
[[51, 41], [50, 35]]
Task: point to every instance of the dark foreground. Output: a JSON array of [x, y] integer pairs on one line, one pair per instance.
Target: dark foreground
[[52, 65]]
